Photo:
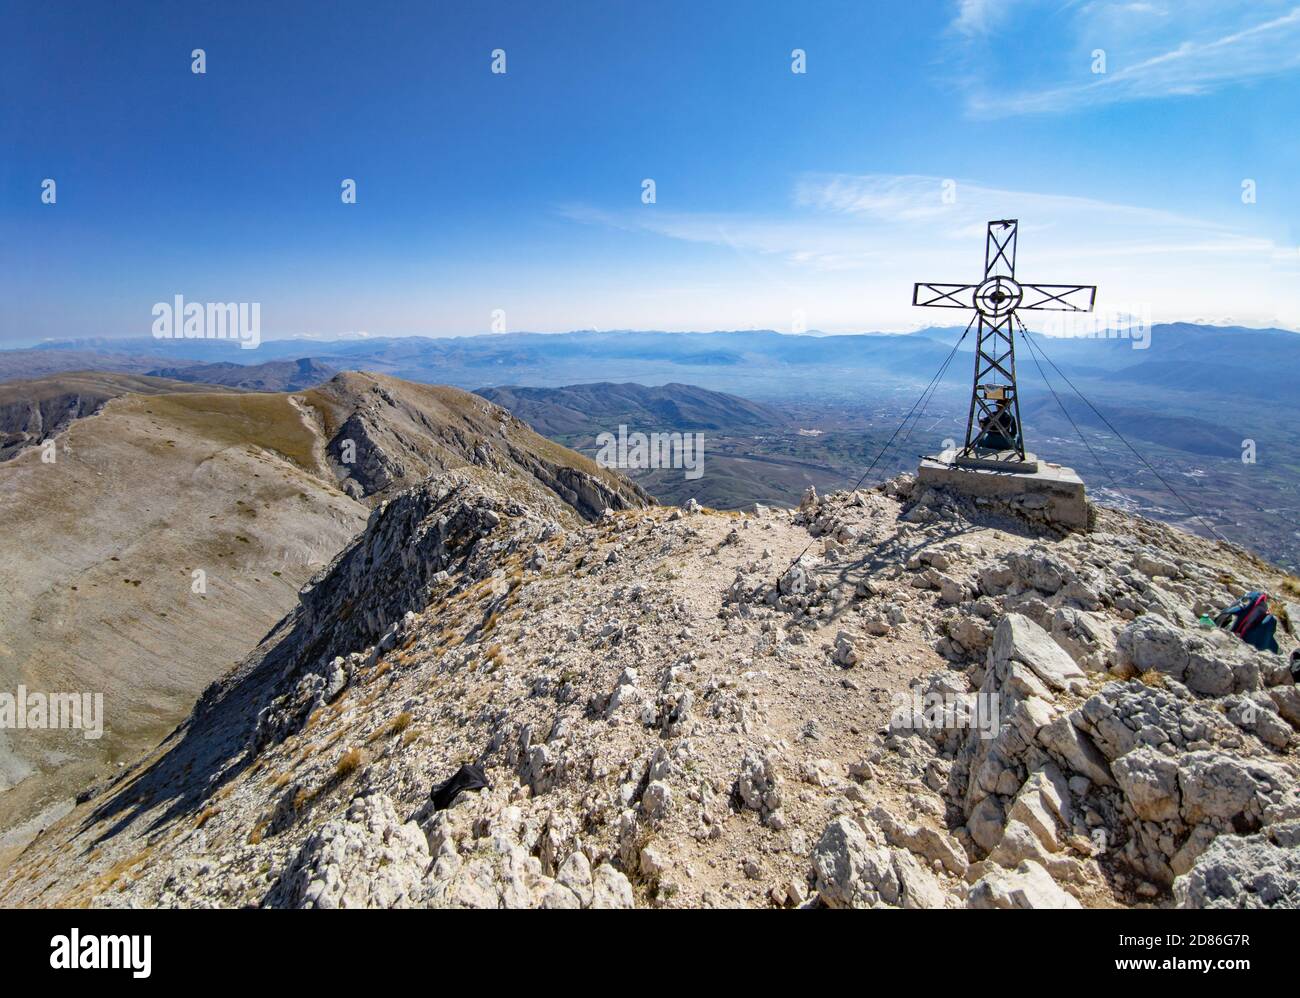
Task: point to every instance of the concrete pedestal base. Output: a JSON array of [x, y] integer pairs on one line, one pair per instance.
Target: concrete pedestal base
[[998, 460], [1050, 492]]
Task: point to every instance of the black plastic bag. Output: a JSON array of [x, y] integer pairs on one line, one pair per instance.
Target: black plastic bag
[[470, 776]]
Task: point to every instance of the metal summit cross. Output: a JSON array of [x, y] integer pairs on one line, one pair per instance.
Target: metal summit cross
[[994, 434]]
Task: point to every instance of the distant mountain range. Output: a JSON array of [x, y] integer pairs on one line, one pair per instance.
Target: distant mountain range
[[1182, 357]]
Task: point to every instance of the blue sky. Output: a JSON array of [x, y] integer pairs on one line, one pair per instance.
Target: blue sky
[[781, 198]]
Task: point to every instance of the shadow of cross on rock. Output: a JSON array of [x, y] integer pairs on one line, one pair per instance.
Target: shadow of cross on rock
[[881, 560], [870, 539]]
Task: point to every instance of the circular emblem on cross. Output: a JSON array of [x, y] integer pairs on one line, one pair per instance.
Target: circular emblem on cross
[[997, 296]]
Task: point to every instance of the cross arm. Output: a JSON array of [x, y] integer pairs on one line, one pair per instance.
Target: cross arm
[[1058, 297], [944, 295]]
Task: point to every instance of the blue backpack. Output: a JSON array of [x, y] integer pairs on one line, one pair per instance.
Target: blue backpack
[[1249, 619]]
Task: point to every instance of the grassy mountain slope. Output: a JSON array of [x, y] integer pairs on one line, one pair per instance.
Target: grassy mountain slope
[[35, 410]]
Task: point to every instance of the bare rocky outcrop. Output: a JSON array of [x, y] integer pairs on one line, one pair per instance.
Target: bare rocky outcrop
[[409, 549], [854, 869], [1150, 774], [1211, 662], [1028, 885], [24, 422], [367, 859], [1253, 871], [689, 708]]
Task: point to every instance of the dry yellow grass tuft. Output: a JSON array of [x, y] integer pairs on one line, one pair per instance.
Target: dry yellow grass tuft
[[1278, 609], [1153, 677], [117, 871], [396, 726], [348, 764], [206, 815]]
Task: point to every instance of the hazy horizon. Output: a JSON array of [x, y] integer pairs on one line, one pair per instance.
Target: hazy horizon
[[251, 357]]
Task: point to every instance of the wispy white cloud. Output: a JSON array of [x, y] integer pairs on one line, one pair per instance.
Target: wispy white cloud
[[905, 198], [839, 221], [800, 240], [975, 17], [1152, 51], [861, 240]]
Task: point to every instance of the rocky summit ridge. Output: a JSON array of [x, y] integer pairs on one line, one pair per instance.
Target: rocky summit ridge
[[168, 526], [889, 697]]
